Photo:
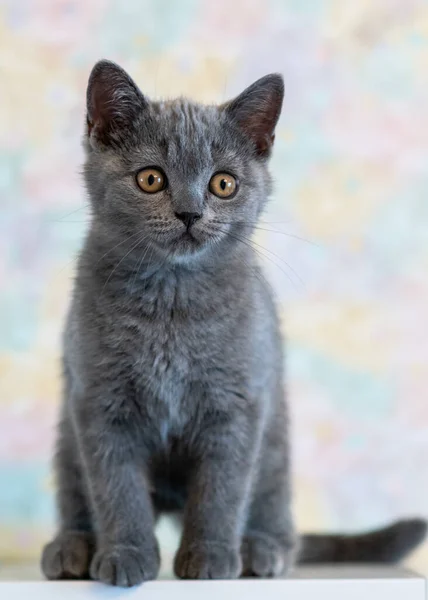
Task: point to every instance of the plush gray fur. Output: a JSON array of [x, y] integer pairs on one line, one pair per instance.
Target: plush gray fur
[[173, 365]]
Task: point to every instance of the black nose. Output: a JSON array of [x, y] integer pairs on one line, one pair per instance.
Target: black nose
[[188, 218]]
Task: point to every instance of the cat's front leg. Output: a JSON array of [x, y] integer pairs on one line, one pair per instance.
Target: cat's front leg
[[127, 550], [225, 454]]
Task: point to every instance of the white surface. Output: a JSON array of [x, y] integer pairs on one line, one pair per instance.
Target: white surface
[[362, 583]]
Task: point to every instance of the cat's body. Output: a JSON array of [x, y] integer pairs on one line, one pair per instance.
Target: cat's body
[[176, 363], [173, 363]]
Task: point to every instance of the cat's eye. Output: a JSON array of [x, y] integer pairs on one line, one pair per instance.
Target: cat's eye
[[151, 180], [223, 185]]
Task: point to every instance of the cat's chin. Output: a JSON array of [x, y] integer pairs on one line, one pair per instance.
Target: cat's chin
[[187, 247]]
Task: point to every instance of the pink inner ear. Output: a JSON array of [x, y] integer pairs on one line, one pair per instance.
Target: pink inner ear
[[263, 145], [260, 129], [113, 100], [101, 102], [257, 110], [89, 125]]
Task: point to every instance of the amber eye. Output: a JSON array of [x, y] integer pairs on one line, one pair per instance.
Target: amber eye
[[151, 180], [223, 185]]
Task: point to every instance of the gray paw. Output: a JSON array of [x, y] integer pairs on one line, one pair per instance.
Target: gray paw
[[263, 556], [207, 561], [68, 556], [125, 566]]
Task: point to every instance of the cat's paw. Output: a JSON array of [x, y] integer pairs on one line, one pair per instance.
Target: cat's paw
[[207, 561], [125, 566], [263, 556], [68, 556]]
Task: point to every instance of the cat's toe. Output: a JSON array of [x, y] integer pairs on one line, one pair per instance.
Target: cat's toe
[[207, 561], [125, 566], [263, 556], [68, 556]]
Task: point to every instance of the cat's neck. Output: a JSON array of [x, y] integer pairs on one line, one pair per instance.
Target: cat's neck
[[161, 285]]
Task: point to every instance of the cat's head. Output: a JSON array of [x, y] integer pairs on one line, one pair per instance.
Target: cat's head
[[177, 176]]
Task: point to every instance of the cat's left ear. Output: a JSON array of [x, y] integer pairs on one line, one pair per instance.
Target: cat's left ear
[[113, 102], [257, 110]]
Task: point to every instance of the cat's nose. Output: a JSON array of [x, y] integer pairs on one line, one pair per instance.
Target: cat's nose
[[188, 218]]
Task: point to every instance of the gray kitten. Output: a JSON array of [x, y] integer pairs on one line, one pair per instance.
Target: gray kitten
[[173, 365]]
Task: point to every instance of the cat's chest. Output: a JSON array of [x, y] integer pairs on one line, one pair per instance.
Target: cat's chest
[[171, 356], [165, 364], [165, 354]]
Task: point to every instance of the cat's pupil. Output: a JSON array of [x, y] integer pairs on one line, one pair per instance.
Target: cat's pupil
[[223, 184], [151, 179]]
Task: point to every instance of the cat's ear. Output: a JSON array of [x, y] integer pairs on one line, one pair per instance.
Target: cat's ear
[[257, 111], [113, 101]]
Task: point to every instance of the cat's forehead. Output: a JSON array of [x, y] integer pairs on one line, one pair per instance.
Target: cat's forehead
[[184, 125], [188, 133], [184, 116]]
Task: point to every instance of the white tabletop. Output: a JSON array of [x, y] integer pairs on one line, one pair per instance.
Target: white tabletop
[[329, 583]]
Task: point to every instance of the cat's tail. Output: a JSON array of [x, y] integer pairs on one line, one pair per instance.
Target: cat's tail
[[388, 545]]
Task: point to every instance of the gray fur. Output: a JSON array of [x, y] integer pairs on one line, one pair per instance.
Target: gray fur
[[173, 365]]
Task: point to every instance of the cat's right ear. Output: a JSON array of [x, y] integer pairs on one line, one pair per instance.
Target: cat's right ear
[[113, 101]]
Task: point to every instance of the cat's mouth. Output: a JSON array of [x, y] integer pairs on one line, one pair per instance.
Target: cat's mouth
[[187, 235], [189, 239], [187, 242]]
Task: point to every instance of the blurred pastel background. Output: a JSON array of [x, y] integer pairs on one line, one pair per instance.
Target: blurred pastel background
[[345, 241]]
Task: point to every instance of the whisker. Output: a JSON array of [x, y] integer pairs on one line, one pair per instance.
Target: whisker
[[121, 260], [291, 235], [275, 222], [69, 214], [140, 262], [257, 221], [65, 222], [279, 258], [117, 246], [256, 228], [255, 272], [248, 243], [75, 258], [63, 268]]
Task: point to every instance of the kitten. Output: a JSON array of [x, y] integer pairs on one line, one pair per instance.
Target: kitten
[[173, 365]]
